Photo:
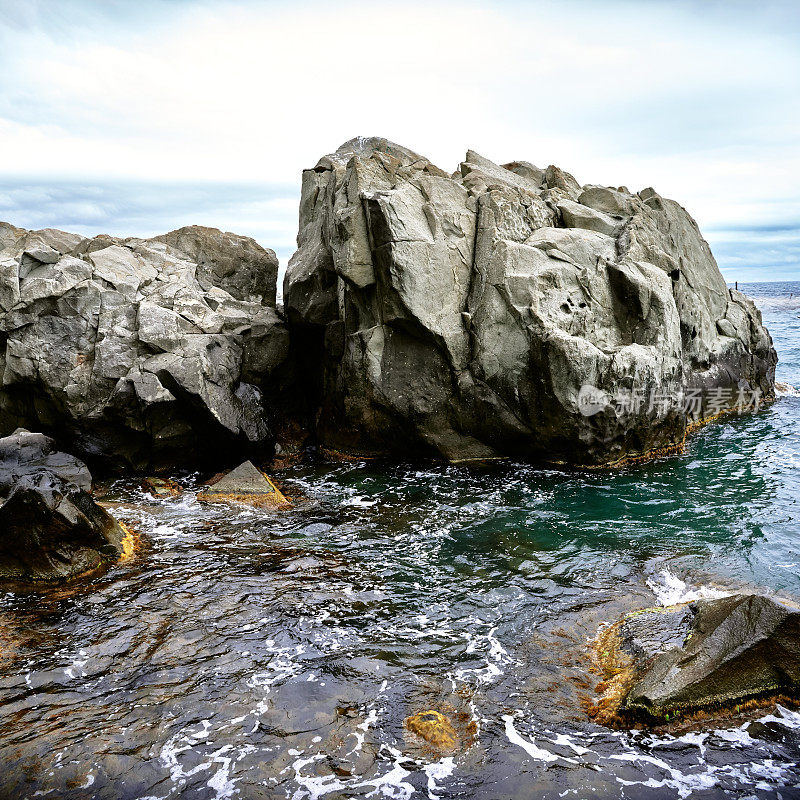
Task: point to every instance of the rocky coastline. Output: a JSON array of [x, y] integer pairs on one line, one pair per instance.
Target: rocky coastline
[[496, 312], [426, 315]]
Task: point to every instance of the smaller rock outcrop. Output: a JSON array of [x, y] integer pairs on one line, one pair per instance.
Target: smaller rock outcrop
[[50, 527], [245, 484], [709, 654], [140, 353]]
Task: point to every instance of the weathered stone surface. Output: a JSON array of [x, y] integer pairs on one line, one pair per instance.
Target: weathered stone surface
[[50, 528], [237, 264], [735, 648], [461, 316], [650, 633], [24, 454], [140, 351]]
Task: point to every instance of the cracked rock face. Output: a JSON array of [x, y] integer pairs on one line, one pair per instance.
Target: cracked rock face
[[460, 315], [140, 351]]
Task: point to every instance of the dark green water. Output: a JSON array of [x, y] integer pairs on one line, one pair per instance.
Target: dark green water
[[243, 655]]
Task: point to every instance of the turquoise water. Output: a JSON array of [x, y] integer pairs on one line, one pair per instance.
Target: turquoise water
[[244, 655]]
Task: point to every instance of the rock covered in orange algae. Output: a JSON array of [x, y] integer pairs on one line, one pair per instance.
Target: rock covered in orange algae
[[162, 487], [708, 657], [245, 484], [435, 728]]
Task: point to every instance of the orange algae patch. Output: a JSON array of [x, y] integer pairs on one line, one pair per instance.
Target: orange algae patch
[[129, 542], [434, 728], [617, 675]]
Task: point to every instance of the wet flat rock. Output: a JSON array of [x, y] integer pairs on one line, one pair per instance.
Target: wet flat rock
[[245, 484], [706, 655]]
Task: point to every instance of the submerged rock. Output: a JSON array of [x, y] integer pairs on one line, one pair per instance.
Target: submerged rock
[[245, 484], [139, 351], [435, 729], [461, 316], [50, 527], [162, 487], [709, 654]]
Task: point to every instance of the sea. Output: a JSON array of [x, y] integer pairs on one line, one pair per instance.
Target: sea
[[246, 654]]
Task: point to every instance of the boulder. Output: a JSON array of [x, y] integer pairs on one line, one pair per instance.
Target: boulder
[[710, 655], [140, 352], [50, 527], [460, 316], [236, 264], [734, 649], [245, 484], [24, 454]]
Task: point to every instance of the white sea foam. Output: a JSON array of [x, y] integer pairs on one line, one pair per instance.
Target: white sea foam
[[359, 501], [528, 746], [436, 772], [786, 390], [670, 589], [391, 784], [497, 657], [181, 742], [643, 753], [281, 667]]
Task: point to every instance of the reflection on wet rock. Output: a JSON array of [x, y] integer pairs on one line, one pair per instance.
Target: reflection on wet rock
[[245, 655], [245, 484]]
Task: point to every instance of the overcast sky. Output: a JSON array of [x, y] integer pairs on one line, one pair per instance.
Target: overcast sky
[[133, 118]]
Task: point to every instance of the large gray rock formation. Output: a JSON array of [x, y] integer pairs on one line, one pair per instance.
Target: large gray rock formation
[[50, 527], [140, 351], [460, 316]]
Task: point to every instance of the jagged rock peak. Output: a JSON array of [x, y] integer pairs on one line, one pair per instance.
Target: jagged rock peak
[[463, 315]]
